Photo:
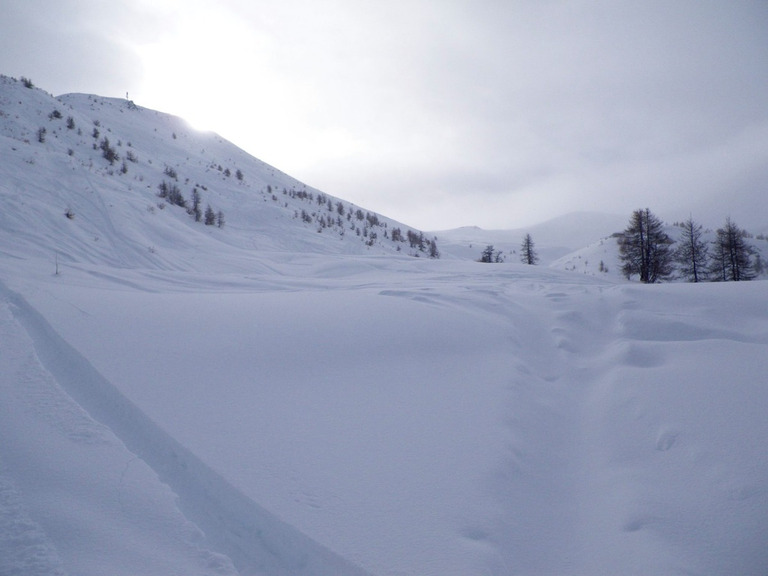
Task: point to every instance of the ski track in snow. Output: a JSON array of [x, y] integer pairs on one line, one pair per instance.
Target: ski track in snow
[[256, 541]]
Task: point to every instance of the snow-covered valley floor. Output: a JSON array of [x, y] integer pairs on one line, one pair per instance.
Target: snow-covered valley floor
[[390, 415]]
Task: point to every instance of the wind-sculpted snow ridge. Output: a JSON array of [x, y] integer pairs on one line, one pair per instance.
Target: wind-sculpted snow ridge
[[255, 540]]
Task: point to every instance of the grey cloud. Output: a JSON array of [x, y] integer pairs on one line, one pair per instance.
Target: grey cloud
[[494, 112]]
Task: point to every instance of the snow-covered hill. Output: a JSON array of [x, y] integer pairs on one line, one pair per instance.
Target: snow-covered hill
[[265, 399], [54, 163]]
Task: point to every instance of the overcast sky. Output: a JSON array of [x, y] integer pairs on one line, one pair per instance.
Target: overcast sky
[[443, 113]]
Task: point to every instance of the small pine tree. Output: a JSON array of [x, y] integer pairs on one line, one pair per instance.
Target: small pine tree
[[171, 193], [196, 210], [176, 197], [220, 219], [210, 216], [414, 240], [107, 151], [488, 255], [527, 253], [433, 251]]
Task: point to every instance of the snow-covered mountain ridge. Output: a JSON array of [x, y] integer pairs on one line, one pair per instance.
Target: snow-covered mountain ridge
[[101, 162], [267, 399]]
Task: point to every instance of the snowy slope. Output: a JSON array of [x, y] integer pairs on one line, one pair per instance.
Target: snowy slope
[[320, 406], [116, 214]]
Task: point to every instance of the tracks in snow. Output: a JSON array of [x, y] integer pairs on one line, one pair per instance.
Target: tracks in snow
[[552, 457], [254, 539]]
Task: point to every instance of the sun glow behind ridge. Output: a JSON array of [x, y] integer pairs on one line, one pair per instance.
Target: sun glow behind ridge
[[232, 76], [203, 68]]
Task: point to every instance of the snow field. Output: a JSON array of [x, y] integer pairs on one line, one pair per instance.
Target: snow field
[[424, 417], [75, 500]]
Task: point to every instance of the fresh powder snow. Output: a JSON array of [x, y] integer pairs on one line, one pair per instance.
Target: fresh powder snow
[[292, 393]]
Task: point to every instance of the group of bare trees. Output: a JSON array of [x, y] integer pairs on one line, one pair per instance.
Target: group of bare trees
[[648, 252], [528, 254]]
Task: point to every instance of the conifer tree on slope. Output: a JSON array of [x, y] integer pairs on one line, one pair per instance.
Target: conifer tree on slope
[[196, 211], [645, 249], [692, 252], [210, 216]]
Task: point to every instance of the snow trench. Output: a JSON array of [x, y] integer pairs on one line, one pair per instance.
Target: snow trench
[[256, 541]]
